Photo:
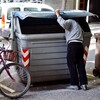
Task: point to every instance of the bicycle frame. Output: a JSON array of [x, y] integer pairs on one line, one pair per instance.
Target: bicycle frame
[[2, 50]]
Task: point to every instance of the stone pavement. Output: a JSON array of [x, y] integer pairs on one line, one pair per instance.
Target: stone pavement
[[59, 92]]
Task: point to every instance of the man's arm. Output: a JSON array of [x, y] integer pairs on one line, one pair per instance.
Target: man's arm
[[65, 24]]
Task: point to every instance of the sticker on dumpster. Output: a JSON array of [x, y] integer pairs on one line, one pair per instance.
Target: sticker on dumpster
[[86, 53], [25, 57]]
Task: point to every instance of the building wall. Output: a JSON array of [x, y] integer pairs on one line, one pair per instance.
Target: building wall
[[58, 3], [70, 4], [95, 8]]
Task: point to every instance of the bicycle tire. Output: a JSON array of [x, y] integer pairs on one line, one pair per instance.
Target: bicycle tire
[[21, 83]]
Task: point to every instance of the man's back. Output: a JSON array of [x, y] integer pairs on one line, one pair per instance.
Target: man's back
[[73, 31]]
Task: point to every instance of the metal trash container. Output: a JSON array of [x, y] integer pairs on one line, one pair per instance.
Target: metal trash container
[[96, 70], [41, 44]]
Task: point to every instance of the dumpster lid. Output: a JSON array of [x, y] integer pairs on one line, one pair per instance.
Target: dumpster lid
[[50, 14]]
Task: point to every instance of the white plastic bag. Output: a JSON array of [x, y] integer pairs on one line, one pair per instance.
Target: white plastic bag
[[4, 33]]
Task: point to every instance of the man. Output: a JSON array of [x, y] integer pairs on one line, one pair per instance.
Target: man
[[75, 51]]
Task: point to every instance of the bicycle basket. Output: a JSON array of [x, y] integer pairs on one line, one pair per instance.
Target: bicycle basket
[[10, 55]]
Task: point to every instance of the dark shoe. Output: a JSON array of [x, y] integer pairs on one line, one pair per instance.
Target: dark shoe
[[73, 87], [84, 87]]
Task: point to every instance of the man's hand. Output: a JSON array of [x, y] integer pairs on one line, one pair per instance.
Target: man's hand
[[57, 12]]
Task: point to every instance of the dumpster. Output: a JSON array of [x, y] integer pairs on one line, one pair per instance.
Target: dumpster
[[96, 70], [41, 44]]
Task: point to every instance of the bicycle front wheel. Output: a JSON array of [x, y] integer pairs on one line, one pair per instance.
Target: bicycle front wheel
[[16, 85]]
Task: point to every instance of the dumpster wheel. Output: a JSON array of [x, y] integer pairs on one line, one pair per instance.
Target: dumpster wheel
[[96, 72]]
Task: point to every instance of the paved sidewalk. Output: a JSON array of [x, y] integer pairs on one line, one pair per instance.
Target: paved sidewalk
[[62, 93]]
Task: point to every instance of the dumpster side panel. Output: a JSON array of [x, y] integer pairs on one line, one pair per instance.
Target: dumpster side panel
[[47, 58], [86, 38]]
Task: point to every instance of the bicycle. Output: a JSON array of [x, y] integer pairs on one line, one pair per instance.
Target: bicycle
[[13, 84]]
